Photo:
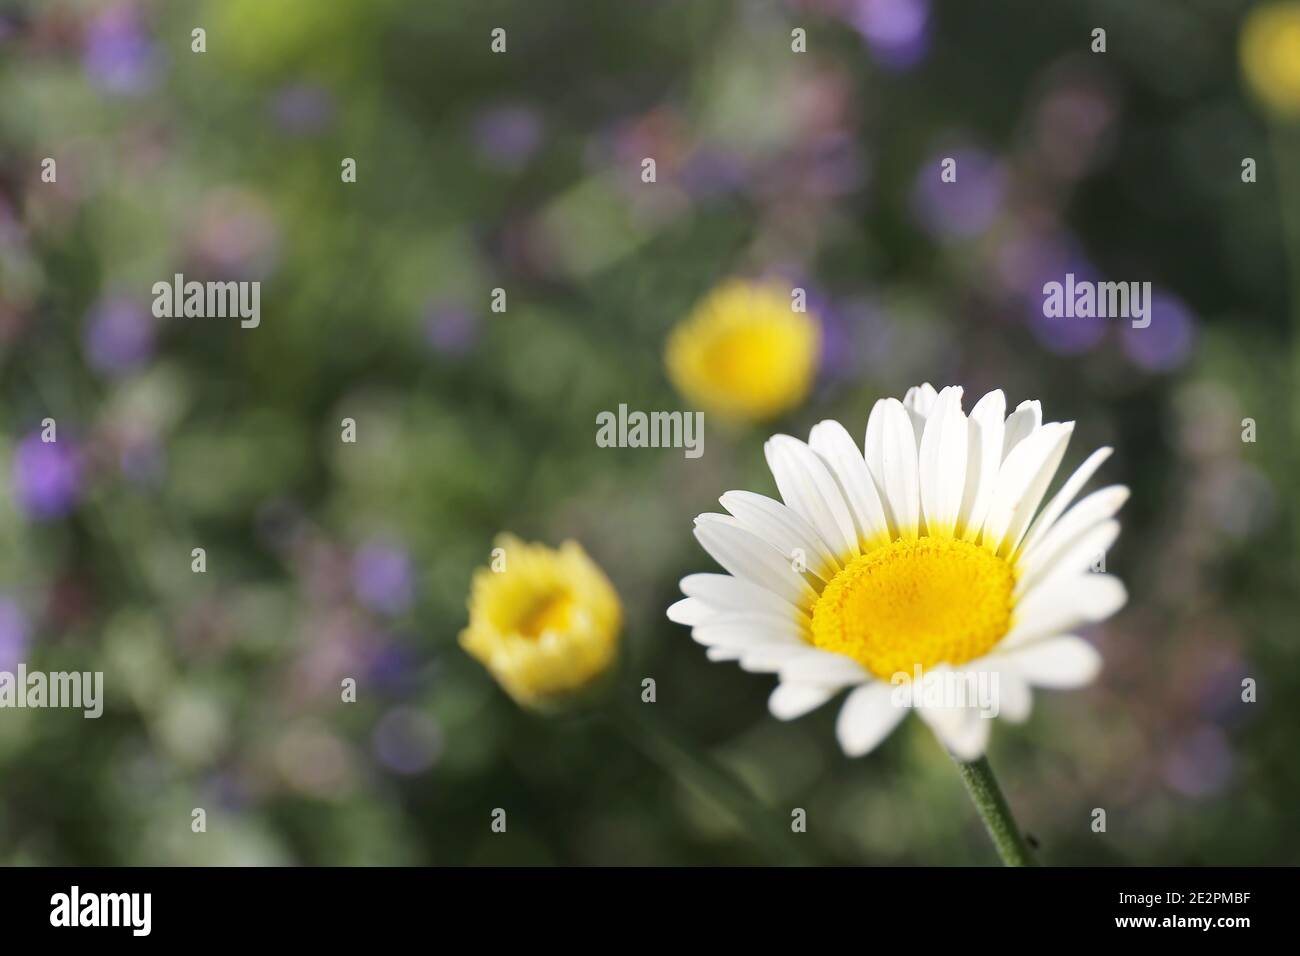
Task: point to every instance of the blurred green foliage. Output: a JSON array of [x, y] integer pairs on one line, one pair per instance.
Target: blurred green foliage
[[521, 171]]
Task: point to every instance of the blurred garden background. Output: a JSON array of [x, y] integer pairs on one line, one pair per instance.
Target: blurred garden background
[[522, 171]]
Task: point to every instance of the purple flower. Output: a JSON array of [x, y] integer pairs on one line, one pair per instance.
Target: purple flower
[[1166, 343], [119, 336], [835, 165], [14, 634], [1063, 335], [118, 55], [507, 136], [451, 328], [711, 172], [393, 668], [837, 351], [382, 577], [236, 234], [1071, 126], [407, 741], [1200, 764], [303, 109], [966, 207], [46, 477], [143, 461], [871, 333], [894, 29]]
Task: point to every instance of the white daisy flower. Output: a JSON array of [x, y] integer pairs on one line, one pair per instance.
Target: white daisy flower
[[927, 555]]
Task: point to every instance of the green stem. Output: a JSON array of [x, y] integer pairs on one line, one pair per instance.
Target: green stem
[[992, 806], [683, 762]]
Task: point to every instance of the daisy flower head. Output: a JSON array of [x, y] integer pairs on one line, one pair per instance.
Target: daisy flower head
[[913, 572], [745, 354], [545, 622]]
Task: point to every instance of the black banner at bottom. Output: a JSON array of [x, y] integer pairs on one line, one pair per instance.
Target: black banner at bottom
[[336, 906]]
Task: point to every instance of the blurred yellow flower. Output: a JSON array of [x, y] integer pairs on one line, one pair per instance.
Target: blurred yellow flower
[[744, 354], [545, 622], [1270, 56]]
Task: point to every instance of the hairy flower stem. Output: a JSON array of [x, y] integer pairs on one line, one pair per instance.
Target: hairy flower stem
[[992, 806]]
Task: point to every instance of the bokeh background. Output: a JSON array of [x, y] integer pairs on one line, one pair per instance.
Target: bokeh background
[[522, 171]]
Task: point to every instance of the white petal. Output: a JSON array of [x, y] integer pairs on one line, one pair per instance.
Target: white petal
[[1014, 698], [1074, 558], [874, 455], [899, 463], [760, 621], [730, 594], [942, 465], [824, 667], [690, 611], [963, 730], [808, 487], [832, 442], [1022, 482], [1062, 605], [746, 635], [784, 529], [767, 658], [984, 459], [747, 556], [868, 715], [919, 402], [794, 699], [1061, 500], [756, 658], [1020, 424], [1061, 662], [920, 398], [1087, 513]]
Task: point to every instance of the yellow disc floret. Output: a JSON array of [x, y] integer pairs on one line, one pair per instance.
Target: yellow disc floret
[[920, 602], [744, 353], [544, 622]]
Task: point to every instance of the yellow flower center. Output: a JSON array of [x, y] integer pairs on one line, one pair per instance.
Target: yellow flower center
[[925, 602], [551, 612]]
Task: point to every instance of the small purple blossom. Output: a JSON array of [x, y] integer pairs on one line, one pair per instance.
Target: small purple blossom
[[407, 741], [383, 579], [47, 477], [507, 136], [711, 172], [895, 30], [118, 55], [119, 336], [451, 328], [303, 109], [14, 634], [1167, 342], [143, 462], [1063, 335], [871, 333], [1200, 764], [835, 165], [966, 207], [394, 668]]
